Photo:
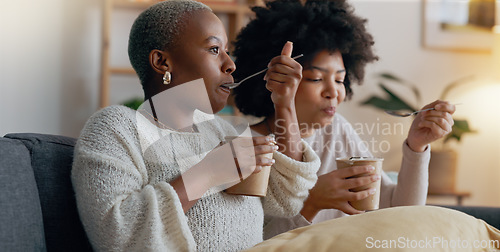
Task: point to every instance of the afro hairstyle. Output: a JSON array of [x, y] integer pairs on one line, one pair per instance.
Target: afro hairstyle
[[313, 26]]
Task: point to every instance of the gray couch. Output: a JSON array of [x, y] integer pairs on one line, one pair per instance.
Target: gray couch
[[38, 210]]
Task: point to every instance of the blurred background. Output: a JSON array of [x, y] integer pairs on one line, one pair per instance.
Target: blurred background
[[51, 55]]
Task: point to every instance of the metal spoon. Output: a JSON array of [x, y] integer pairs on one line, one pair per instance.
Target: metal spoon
[[233, 85], [403, 114]]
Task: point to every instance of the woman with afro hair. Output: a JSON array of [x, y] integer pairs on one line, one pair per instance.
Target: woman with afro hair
[[336, 48]]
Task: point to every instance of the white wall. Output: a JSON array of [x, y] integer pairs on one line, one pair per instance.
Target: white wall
[[49, 65], [396, 27], [50, 56]]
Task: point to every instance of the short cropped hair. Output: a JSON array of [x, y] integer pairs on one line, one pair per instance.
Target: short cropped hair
[[314, 26], [158, 27]]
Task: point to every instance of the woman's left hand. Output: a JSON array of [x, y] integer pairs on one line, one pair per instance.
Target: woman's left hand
[[429, 126], [283, 78]]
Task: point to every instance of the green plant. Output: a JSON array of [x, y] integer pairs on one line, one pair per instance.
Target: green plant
[[133, 103], [393, 102]]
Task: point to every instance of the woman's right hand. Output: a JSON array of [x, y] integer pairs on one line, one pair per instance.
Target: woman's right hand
[[248, 154], [283, 78], [251, 153], [219, 169], [333, 191], [220, 166]]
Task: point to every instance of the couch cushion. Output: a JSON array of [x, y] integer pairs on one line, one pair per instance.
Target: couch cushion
[[51, 160], [21, 225]]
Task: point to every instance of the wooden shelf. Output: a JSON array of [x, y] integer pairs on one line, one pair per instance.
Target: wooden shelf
[[133, 4], [236, 12], [230, 8], [226, 7], [459, 195], [122, 70]]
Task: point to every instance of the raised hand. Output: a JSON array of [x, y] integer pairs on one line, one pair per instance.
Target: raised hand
[[283, 77], [429, 126]]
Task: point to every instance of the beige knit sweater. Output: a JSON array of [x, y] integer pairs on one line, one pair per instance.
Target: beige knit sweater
[[120, 175]]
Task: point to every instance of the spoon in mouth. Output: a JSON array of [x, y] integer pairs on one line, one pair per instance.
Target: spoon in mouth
[[233, 85]]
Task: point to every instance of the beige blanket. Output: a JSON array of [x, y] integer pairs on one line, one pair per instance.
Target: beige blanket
[[413, 228]]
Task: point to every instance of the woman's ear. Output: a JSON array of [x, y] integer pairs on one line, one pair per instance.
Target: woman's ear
[[159, 61]]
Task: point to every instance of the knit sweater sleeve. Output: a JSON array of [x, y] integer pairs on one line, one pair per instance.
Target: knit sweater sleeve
[[290, 182], [119, 208], [413, 180]]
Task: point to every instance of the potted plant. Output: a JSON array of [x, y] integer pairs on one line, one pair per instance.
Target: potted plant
[[443, 164]]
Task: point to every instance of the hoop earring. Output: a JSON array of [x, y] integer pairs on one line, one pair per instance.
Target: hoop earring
[[167, 78]]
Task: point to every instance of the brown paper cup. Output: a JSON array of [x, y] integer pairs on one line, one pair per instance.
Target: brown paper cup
[[372, 201], [253, 185]]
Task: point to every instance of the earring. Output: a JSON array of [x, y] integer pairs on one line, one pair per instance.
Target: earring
[[167, 78]]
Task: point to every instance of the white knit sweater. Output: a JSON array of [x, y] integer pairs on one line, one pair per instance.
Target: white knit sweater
[[120, 175]]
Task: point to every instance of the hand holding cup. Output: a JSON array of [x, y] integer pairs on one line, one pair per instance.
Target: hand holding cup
[[254, 184], [372, 201], [333, 190]]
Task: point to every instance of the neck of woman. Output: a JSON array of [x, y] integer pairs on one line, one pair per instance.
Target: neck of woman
[[168, 114], [172, 106]]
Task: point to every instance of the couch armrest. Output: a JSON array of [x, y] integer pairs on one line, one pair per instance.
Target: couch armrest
[[21, 223], [51, 161]]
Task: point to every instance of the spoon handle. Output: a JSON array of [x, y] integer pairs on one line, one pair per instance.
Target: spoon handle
[[418, 111], [255, 74], [250, 76]]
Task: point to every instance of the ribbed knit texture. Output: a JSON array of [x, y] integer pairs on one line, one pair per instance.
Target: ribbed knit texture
[[121, 171]]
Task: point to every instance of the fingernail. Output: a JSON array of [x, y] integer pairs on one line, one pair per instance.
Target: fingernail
[[376, 177], [371, 168], [271, 139], [273, 161], [275, 147], [372, 191]]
